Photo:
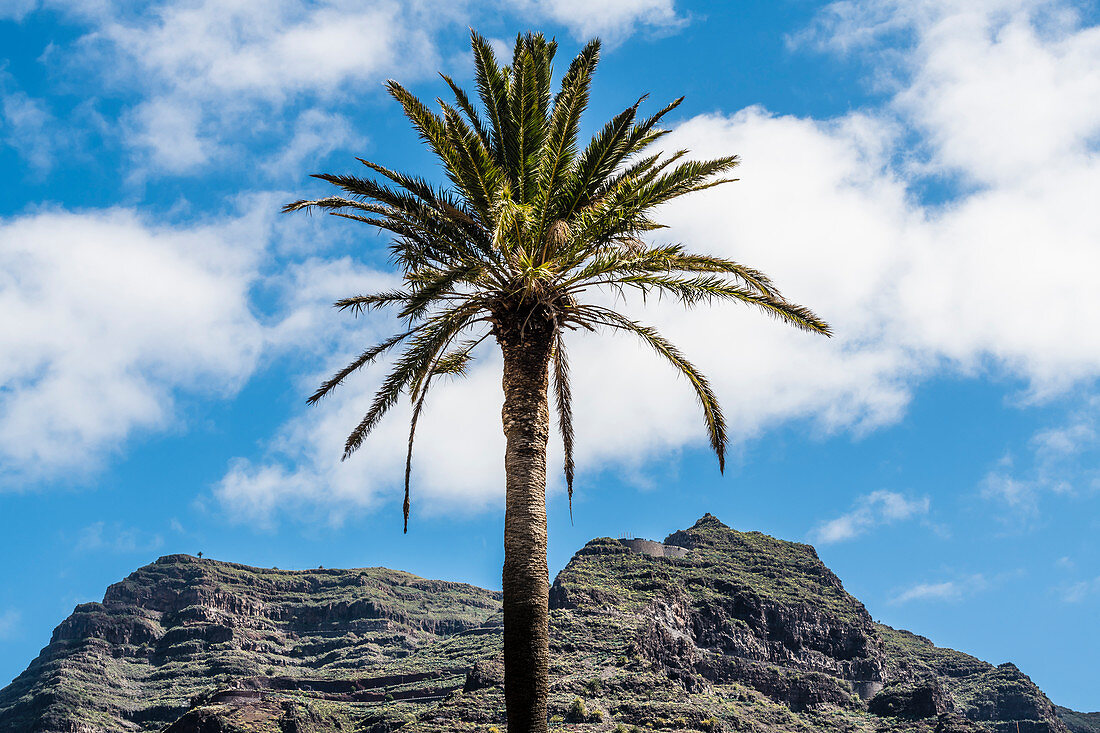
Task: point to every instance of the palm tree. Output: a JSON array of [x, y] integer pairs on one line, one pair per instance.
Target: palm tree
[[529, 226]]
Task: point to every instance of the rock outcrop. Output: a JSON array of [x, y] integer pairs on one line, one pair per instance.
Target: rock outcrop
[[710, 630]]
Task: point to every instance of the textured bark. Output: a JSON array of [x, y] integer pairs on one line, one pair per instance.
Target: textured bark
[[526, 417]]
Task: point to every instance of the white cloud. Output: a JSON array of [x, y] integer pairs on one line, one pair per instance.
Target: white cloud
[[112, 317], [211, 75], [1061, 461], [950, 590], [1064, 441], [306, 291], [930, 591], [107, 316], [167, 129], [1080, 433], [26, 126], [316, 134], [114, 537], [9, 623], [1019, 496], [876, 509], [1026, 64], [272, 49], [16, 9], [612, 19], [1000, 277], [972, 67], [1078, 592]]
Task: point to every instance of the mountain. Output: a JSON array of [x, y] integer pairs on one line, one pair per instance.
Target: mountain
[[711, 630], [1079, 722]]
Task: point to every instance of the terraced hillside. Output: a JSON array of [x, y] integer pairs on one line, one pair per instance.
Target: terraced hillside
[[184, 630], [712, 630]]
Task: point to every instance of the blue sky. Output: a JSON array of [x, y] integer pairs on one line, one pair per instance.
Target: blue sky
[[923, 175]]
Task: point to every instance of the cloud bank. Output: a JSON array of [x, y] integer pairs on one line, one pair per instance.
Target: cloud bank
[[106, 316]]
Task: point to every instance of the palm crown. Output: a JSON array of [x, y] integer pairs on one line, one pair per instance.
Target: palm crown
[[530, 225]]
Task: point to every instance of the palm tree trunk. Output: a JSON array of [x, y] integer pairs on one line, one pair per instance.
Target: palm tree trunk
[[525, 580]]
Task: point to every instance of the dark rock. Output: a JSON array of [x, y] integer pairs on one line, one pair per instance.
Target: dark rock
[[912, 699], [485, 673]]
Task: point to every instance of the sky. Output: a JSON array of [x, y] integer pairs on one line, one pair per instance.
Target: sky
[[924, 174]]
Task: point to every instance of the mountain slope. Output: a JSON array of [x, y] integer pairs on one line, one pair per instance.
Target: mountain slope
[[712, 630], [175, 629], [1079, 722]]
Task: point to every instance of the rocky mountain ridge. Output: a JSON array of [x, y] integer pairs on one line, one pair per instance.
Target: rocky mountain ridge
[[711, 630]]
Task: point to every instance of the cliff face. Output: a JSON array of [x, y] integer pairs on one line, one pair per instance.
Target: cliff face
[[736, 607], [712, 630]]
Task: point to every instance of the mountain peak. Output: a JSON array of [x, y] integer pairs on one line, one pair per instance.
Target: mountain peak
[[708, 520]]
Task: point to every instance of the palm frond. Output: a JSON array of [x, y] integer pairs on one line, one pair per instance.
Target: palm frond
[[405, 506], [595, 163], [358, 363], [475, 167], [528, 102], [608, 261], [492, 86], [336, 203], [413, 364], [644, 133], [426, 122], [687, 262], [453, 363], [468, 109], [712, 412], [695, 290], [360, 303], [561, 142], [563, 398], [439, 200]]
